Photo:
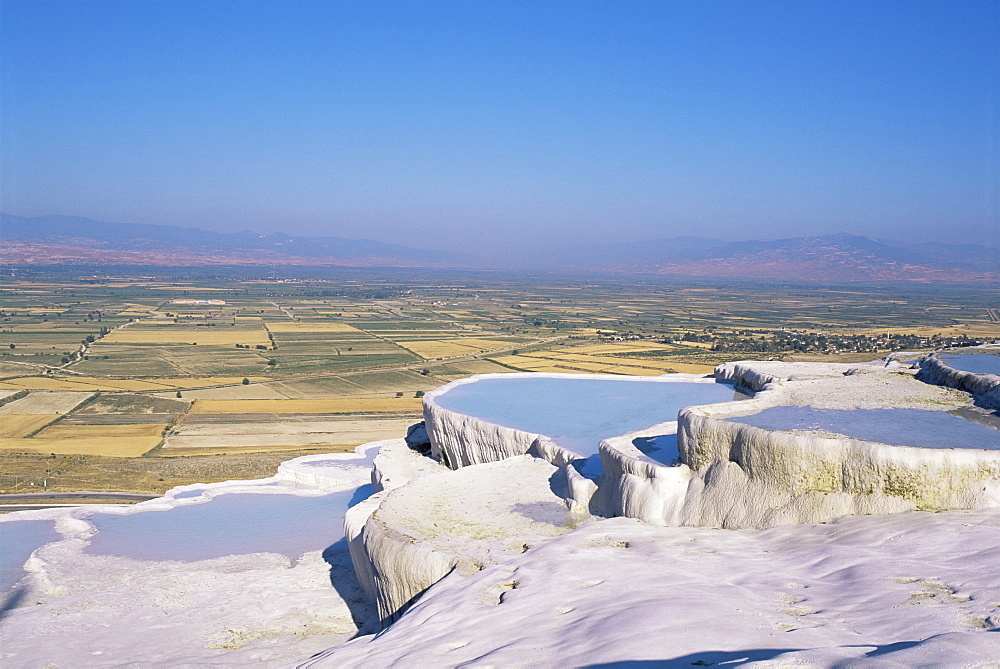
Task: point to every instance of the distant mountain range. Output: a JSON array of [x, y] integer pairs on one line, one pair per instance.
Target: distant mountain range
[[48, 240], [836, 257], [73, 240]]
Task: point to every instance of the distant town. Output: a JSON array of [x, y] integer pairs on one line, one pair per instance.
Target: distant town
[[785, 341]]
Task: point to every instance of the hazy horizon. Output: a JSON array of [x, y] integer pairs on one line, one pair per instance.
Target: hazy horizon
[[450, 125]]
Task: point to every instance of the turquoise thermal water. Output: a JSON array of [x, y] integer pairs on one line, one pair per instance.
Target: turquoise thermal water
[[18, 539], [579, 413], [661, 448], [899, 427], [231, 524], [977, 363]]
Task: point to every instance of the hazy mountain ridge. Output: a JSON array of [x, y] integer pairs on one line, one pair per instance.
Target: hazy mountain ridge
[[834, 257], [841, 257], [46, 240], [89, 235], [687, 249]]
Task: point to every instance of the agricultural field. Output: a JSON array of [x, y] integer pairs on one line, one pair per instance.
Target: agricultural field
[[220, 435], [45, 403], [15, 426], [339, 405], [115, 367]]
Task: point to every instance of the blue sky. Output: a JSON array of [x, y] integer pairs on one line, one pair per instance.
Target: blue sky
[[446, 124]]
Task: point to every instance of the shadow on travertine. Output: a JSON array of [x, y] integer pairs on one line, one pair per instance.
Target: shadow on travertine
[[11, 601], [344, 581]]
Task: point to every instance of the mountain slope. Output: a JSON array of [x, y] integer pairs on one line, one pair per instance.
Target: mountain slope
[[47, 240], [85, 239], [837, 257]]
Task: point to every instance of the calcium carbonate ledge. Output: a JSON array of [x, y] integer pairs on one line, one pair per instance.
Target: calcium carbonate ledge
[[387, 580], [460, 440], [739, 476], [984, 386], [633, 485], [426, 521], [746, 476]]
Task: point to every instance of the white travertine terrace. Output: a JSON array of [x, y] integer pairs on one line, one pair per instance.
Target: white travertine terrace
[[428, 520], [459, 440], [736, 475], [984, 386]]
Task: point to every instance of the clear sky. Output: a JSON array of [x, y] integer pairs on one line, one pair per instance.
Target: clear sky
[[455, 124]]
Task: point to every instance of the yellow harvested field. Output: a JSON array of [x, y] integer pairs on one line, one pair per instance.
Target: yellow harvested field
[[100, 431], [119, 447], [692, 368], [598, 349], [237, 450], [631, 371], [563, 355], [443, 348], [286, 433], [37, 403], [521, 361], [595, 367], [648, 363], [557, 361], [40, 383], [328, 405], [218, 336], [86, 383], [14, 426], [309, 326], [255, 391], [557, 370], [189, 288], [202, 381], [608, 361]]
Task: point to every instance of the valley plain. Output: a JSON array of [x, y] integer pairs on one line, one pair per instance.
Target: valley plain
[[113, 379]]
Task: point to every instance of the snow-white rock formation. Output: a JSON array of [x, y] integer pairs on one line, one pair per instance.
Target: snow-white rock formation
[[905, 590], [736, 475], [751, 477], [428, 520], [77, 608], [459, 440], [984, 386]]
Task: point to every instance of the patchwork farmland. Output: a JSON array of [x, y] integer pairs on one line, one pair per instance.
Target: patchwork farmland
[[99, 368]]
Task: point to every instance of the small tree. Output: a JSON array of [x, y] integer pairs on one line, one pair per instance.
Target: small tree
[[399, 394], [425, 372], [178, 393], [246, 381], [419, 393]]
